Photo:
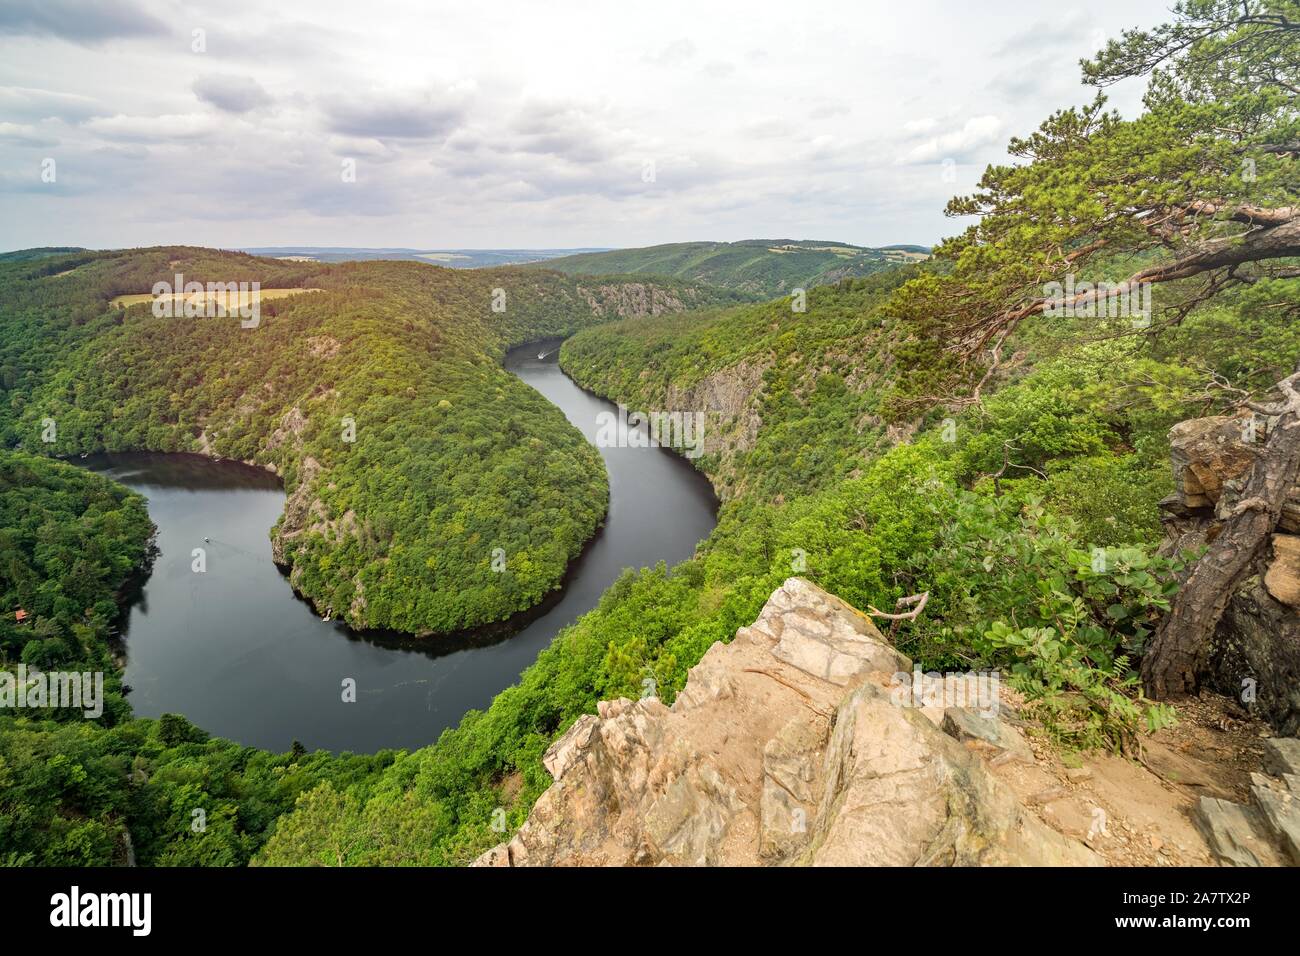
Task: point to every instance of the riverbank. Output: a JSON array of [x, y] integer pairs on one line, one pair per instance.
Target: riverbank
[[236, 651]]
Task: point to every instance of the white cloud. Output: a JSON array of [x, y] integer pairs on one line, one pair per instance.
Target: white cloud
[[233, 94], [21, 134], [79, 21], [394, 114], [518, 124], [676, 53], [166, 128], [958, 145], [20, 102], [358, 146]]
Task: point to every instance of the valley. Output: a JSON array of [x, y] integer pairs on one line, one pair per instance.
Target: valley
[[234, 650], [387, 356], [823, 473], [661, 543]]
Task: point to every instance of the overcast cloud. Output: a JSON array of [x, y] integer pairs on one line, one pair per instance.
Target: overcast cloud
[[518, 124]]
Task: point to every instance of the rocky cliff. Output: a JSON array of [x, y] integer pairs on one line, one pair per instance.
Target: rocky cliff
[[625, 299], [791, 745], [729, 399], [1256, 654]]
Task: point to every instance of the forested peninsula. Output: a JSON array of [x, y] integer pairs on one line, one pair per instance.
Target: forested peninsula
[[411, 458]]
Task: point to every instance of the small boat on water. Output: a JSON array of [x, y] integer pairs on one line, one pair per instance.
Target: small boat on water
[[329, 614]]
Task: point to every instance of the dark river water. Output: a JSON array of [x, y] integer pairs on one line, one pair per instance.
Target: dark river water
[[237, 653]]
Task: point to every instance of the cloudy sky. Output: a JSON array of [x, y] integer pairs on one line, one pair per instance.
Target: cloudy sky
[[519, 123]]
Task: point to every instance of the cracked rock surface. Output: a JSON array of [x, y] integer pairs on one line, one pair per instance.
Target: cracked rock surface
[[785, 747]]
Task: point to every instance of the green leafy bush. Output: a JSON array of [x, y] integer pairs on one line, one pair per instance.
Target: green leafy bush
[[1072, 662]]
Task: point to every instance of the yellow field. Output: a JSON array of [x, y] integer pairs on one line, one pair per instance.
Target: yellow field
[[235, 300], [844, 252]]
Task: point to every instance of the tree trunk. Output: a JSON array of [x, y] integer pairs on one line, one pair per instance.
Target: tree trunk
[[1180, 649]]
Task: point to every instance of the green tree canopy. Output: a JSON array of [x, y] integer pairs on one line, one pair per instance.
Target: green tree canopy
[[1200, 187]]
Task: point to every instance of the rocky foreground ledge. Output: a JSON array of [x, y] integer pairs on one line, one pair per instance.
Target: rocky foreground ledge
[[787, 747]]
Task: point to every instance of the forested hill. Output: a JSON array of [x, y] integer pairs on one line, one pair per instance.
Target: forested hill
[[26, 255], [945, 435], [827, 472], [831, 501], [109, 790], [408, 452], [762, 267]]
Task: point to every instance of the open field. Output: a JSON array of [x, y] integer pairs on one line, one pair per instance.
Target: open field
[[228, 300]]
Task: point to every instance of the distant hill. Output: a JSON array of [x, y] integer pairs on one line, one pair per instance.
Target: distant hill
[[762, 267], [452, 258], [43, 252]]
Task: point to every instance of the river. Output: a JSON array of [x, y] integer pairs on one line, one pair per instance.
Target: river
[[236, 652]]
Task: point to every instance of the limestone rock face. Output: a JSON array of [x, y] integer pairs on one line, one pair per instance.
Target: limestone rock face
[[1234, 834], [630, 298], [728, 399], [1211, 458], [1283, 576], [1255, 655], [1282, 756], [301, 510], [1265, 831], [1207, 452], [786, 747]]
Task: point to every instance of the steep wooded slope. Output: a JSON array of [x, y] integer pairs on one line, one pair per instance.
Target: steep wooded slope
[[408, 453]]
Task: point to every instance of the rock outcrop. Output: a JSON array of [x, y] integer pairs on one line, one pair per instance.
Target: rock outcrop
[[1212, 458], [625, 299], [1282, 579], [729, 399], [1256, 652], [1266, 831], [1206, 453], [303, 512], [789, 746]]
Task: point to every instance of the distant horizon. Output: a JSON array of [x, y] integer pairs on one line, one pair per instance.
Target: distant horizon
[[258, 249], [161, 122]]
